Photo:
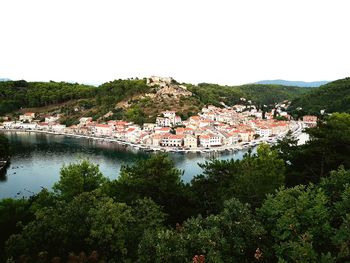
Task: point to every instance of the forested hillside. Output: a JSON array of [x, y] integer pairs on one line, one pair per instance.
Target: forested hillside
[[332, 97], [311, 84], [77, 100], [17, 94], [258, 93]]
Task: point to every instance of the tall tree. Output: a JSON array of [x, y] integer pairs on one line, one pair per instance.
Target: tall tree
[[78, 178], [327, 149], [156, 178], [249, 179]]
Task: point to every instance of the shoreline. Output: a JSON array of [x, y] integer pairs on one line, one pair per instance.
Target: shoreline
[[149, 148]]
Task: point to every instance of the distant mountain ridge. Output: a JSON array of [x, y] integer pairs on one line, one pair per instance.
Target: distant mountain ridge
[[4, 79], [312, 84]]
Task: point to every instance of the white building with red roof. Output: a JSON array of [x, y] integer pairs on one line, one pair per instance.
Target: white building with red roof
[[172, 140], [264, 131], [310, 121], [161, 130], [28, 116], [103, 130], [56, 127], [156, 139], [163, 122], [149, 126], [190, 141], [204, 140]]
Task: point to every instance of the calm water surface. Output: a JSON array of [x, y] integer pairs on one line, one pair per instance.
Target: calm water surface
[[37, 159]]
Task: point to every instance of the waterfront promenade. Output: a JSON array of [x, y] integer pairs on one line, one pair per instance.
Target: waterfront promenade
[[296, 131]]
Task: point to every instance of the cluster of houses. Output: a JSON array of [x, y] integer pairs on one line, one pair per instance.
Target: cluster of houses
[[212, 127]]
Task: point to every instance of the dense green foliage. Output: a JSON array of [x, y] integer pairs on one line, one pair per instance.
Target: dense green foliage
[[327, 149], [257, 174], [259, 94], [332, 97], [4, 147], [13, 213], [156, 178], [112, 92], [268, 207], [233, 235], [78, 178], [17, 94]]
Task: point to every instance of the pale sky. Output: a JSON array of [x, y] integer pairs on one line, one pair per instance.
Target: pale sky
[[225, 42]]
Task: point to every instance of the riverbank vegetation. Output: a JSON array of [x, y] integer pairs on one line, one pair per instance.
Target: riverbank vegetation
[[287, 203]]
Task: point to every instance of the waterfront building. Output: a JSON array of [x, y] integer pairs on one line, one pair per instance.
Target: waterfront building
[[190, 141], [172, 140], [103, 130], [27, 117]]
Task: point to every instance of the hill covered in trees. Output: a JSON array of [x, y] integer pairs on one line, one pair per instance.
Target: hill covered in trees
[[289, 203], [332, 97], [257, 93], [75, 100], [311, 84]]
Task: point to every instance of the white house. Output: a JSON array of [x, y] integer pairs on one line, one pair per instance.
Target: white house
[[169, 114], [172, 140], [29, 126], [264, 131], [8, 124], [161, 130], [56, 127], [132, 134], [190, 141], [28, 116], [156, 139], [149, 126], [214, 140], [163, 122], [310, 121], [103, 130], [85, 120], [52, 119], [204, 140]]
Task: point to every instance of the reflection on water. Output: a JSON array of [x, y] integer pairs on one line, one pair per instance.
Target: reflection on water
[[37, 159]]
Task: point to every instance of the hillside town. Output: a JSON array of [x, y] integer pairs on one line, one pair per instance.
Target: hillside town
[[214, 128]]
